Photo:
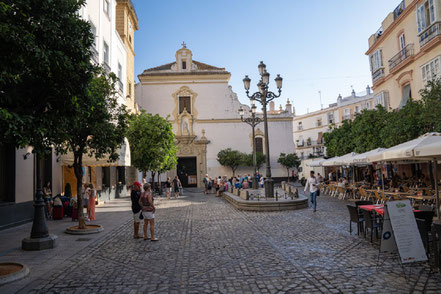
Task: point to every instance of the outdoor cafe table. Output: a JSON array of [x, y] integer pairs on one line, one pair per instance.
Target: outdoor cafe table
[[378, 208]]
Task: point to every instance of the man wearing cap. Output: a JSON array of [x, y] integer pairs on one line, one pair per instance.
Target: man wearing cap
[[136, 209]]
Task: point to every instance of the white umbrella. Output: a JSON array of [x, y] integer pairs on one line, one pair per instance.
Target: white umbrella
[[406, 150], [316, 163], [339, 161], [362, 159]]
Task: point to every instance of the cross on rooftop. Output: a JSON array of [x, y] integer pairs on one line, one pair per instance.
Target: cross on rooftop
[[184, 45]]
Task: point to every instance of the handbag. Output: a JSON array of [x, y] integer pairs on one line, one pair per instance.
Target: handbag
[[140, 215]]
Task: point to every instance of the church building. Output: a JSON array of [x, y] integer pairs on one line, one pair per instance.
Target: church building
[[204, 112]]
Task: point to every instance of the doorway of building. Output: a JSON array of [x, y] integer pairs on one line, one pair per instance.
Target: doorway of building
[[187, 172]]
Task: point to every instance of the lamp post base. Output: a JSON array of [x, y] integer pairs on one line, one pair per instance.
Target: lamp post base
[[269, 188], [39, 243], [255, 184]]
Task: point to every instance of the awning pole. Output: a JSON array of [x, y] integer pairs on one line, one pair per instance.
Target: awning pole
[[435, 171]]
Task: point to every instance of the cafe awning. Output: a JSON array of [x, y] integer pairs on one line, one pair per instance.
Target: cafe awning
[[362, 159], [339, 161], [418, 148], [316, 163], [123, 160]]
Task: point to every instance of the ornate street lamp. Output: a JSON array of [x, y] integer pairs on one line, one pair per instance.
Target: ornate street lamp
[[253, 121], [264, 97]]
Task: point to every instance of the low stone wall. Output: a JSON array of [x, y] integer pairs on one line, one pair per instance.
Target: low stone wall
[[266, 205]]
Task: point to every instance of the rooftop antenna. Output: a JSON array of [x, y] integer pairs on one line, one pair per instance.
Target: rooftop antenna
[[320, 95]]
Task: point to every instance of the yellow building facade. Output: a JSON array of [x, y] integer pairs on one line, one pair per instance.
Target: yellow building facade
[[126, 25], [405, 52]]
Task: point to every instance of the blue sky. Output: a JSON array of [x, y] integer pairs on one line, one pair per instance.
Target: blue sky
[[314, 45]]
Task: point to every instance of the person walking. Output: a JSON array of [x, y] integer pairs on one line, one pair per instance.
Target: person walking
[[148, 212], [91, 206], [312, 184], [136, 208], [176, 186], [205, 181], [168, 186]]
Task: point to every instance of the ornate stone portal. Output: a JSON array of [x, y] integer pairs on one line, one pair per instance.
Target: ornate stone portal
[[188, 145]]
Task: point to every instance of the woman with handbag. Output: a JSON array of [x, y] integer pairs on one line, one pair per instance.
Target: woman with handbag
[[148, 212]]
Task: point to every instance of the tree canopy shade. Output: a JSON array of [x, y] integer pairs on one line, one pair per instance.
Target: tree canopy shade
[[44, 61], [289, 161], [247, 159], [230, 158], [96, 125], [378, 128], [152, 143]]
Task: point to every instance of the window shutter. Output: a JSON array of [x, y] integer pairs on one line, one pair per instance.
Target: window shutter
[[381, 57]]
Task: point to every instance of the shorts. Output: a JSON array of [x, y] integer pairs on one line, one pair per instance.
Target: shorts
[[136, 218], [169, 189], [148, 215], [47, 199]]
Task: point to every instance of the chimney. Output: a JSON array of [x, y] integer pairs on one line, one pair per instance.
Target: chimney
[[272, 106], [353, 93], [339, 98], [368, 90]]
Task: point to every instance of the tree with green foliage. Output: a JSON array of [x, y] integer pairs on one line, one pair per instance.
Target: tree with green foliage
[[230, 158], [247, 160], [96, 126], [339, 140], [152, 143], [431, 100], [45, 62], [289, 161]]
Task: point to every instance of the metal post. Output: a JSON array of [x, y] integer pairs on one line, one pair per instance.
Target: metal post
[[40, 238], [435, 171], [269, 183], [255, 184]]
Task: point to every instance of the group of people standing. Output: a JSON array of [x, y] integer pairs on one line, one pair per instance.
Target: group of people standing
[[89, 198], [174, 186], [221, 184]]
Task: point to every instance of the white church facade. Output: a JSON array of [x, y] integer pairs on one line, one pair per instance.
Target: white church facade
[[203, 109]]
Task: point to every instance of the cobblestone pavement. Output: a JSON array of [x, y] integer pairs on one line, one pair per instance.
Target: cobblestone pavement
[[207, 246]]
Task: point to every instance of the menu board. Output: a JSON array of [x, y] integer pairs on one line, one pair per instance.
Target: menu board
[[405, 230], [388, 244]]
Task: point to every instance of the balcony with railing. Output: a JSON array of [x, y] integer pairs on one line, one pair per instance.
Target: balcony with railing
[[299, 128], [95, 55], [377, 74], [430, 33], [120, 87], [401, 56], [300, 143], [399, 9], [347, 116], [318, 123], [107, 67]]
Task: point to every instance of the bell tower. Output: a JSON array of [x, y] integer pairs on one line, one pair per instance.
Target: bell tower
[[184, 59]]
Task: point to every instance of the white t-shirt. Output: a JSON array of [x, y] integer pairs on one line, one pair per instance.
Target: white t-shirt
[[312, 184]]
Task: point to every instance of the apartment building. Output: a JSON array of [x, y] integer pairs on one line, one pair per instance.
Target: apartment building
[[405, 52], [309, 128]]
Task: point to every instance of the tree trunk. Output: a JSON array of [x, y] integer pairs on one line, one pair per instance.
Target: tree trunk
[[159, 184], [78, 169], [288, 174], [153, 181], [234, 170]]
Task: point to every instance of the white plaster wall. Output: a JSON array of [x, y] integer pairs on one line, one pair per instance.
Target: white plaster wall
[[57, 175], [24, 177], [218, 101]]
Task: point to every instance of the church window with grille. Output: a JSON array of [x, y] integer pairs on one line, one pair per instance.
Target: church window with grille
[[259, 144], [185, 102]]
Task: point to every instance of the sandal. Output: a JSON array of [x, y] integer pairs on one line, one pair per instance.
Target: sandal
[[155, 239]]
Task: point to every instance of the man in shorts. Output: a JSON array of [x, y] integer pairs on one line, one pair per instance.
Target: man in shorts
[[136, 209]]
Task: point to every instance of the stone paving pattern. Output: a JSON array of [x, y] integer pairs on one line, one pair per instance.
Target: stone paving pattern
[[207, 246]]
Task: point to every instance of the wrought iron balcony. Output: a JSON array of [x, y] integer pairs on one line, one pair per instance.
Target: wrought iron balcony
[[429, 34], [300, 144], [347, 116], [318, 123], [398, 58], [95, 56], [399, 9], [107, 67], [299, 128], [378, 74], [120, 87]]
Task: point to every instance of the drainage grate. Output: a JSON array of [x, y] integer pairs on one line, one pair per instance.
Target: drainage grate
[[83, 239]]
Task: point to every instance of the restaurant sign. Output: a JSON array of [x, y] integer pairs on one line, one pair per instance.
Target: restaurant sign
[[405, 230]]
